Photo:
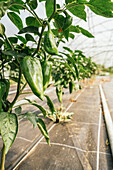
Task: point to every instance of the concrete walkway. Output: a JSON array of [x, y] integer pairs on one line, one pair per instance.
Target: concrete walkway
[[79, 144], [76, 145]]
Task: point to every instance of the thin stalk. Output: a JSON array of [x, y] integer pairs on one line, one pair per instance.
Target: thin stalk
[[43, 28], [36, 15], [23, 87], [9, 42], [39, 42], [3, 158], [17, 93], [26, 93], [2, 65]]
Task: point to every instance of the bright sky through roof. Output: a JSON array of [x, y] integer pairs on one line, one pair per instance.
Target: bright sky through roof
[[100, 47]]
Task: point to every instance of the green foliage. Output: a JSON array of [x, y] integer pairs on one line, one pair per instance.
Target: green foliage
[[49, 7], [31, 21], [32, 3], [50, 104], [85, 32], [8, 128], [29, 37], [44, 111], [103, 8], [15, 19], [30, 29], [2, 29], [76, 9]]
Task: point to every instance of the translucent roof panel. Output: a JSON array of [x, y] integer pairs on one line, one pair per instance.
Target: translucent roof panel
[[100, 48]]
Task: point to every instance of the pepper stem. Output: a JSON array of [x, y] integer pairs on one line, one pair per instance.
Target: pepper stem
[[3, 158]]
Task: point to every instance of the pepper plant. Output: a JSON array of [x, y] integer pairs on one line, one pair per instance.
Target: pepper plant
[[35, 63]]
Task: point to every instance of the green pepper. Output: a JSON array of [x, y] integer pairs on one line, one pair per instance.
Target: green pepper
[[46, 70], [71, 86], [67, 22], [2, 91], [49, 42], [32, 71], [7, 83], [59, 93]]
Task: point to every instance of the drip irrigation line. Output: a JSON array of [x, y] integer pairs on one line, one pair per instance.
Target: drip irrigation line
[[108, 119]]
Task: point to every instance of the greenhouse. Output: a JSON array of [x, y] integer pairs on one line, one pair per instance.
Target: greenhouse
[[56, 84]]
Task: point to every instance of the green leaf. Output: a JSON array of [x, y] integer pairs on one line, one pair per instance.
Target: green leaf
[[2, 29], [49, 7], [32, 117], [72, 36], [74, 64], [50, 104], [55, 31], [8, 128], [38, 122], [85, 32], [73, 28], [76, 9], [31, 21], [68, 49], [44, 111], [30, 29], [32, 3], [66, 34], [67, 65], [13, 39], [15, 19], [22, 39], [1, 43], [18, 110], [100, 7], [13, 8], [59, 20], [10, 52], [29, 38], [78, 51], [43, 129]]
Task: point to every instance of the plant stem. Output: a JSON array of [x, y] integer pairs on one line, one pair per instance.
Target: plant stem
[[43, 28], [23, 87], [39, 42], [9, 42], [3, 158], [17, 93], [2, 65]]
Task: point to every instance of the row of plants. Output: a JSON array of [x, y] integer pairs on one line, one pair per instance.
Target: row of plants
[[38, 63], [102, 70]]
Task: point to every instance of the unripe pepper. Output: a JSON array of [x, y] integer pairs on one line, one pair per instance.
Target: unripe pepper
[[46, 70], [49, 42], [2, 91], [59, 93], [32, 71], [71, 86], [67, 22]]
